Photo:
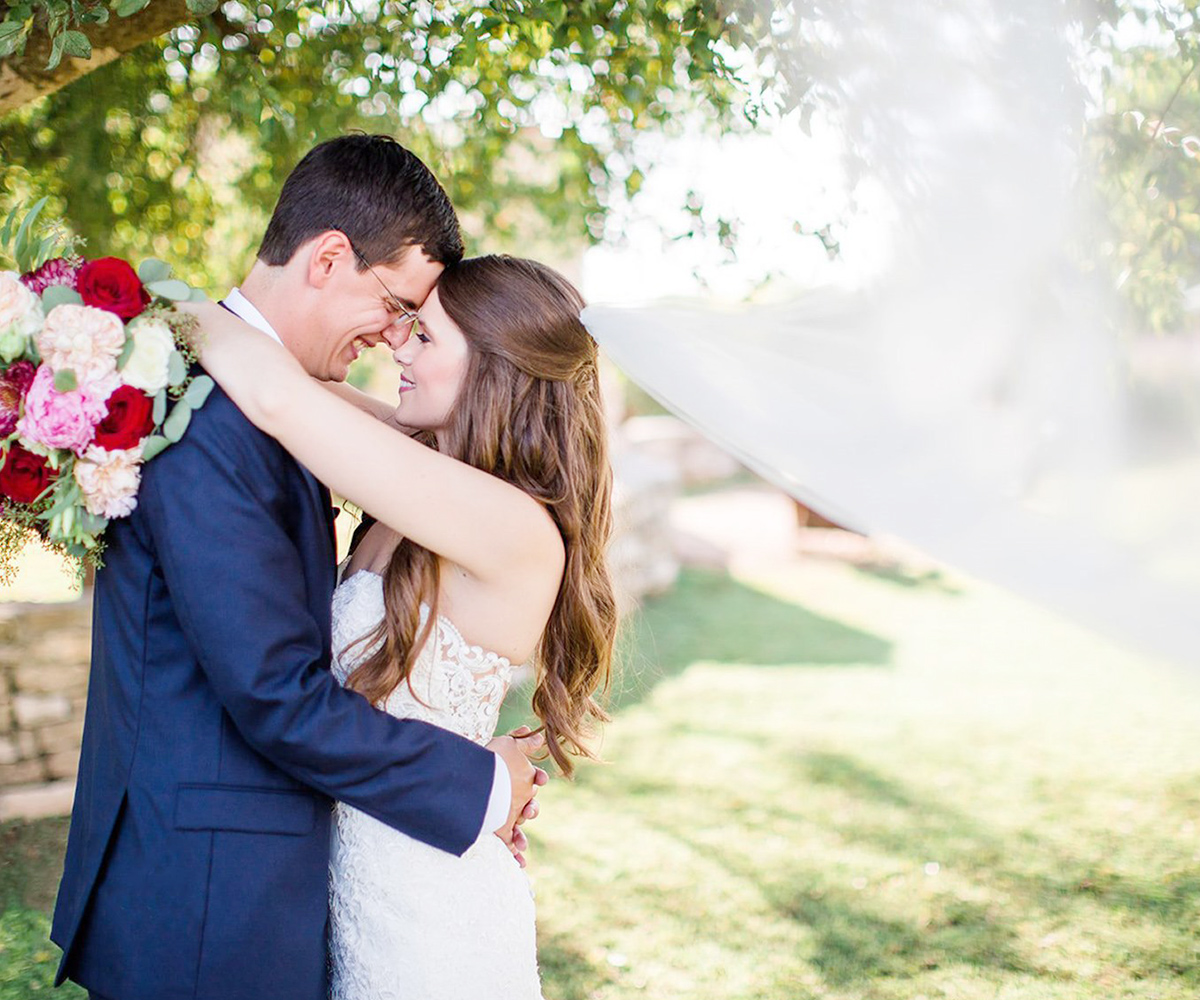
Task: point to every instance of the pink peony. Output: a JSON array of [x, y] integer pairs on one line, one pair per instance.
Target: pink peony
[[109, 480], [14, 383], [64, 419], [83, 339], [59, 271]]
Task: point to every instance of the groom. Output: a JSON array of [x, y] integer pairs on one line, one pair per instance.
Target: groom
[[215, 735]]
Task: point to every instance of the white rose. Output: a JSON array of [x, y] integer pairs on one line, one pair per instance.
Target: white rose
[[148, 365], [20, 316], [109, 480], [83, 339]]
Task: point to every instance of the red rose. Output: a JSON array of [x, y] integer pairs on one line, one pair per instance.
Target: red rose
[[24, 475], [130, 418], [110, 283]]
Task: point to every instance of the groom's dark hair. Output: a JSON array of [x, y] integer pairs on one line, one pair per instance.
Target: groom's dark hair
[[372, 189]]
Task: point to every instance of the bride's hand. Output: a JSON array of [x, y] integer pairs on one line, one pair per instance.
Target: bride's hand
[[257, 372]]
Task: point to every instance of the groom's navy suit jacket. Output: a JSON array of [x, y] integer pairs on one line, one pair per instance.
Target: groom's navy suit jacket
[[216, 736]]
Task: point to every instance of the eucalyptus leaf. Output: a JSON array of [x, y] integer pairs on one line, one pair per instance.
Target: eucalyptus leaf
[[7, 231], [153, 269], [21, 241], [93, 524], [156, 444], [197, 392], [197, 296], [42, 254], [170, 288], [176, 369], [127, 350], [177, 422], [159, 413], [65, 380], [60, 295]]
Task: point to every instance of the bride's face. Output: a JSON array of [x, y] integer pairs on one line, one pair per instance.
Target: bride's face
[[434, 359]]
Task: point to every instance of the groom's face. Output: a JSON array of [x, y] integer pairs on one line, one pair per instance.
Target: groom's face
[[356, 309]]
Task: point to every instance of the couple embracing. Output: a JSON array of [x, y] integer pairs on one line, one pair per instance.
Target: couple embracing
[[289, 787]]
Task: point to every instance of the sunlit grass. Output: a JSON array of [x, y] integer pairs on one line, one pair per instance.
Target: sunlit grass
[[851, 784], [898, 788]]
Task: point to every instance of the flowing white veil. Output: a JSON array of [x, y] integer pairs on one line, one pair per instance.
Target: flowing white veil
[[981, 399]]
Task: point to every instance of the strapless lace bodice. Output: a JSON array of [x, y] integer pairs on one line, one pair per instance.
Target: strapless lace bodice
[[453, 684], [408, 921]]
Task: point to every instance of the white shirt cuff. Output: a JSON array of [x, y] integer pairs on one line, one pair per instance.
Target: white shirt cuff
[[499, 802]]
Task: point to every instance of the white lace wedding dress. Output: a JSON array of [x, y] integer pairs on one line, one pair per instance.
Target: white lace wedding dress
[[407, 921]]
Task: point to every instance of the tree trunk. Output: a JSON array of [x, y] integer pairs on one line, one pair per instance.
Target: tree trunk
[[24, 78]]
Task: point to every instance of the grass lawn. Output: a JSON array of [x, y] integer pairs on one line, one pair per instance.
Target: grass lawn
[[827, 782]]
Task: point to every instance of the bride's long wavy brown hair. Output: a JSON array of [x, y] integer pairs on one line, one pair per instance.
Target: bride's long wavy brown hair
[[528, 411]]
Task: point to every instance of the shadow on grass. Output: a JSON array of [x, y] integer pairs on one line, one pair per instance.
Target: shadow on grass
[[909, 824], [31, 856], [565, 970], [930, 579], [711, 617], [851, 944], [855, 943]]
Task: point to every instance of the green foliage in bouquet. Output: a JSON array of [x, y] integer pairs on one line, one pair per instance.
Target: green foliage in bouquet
[[96, 378]]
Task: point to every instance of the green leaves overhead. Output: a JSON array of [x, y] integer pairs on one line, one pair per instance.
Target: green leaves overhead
[[127, 8], [529, 113]]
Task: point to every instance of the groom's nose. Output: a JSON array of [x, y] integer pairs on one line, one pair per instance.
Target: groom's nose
[[396, 333]]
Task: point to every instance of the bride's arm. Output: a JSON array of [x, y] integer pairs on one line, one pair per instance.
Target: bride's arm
[[368, 404], [364, 401], [493, 530]]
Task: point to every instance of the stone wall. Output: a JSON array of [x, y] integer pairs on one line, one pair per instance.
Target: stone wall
[[44, 656], [45, 648]]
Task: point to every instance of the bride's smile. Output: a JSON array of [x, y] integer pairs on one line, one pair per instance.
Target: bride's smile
[[434, 359]]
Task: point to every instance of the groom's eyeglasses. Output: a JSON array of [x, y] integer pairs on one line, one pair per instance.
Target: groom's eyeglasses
[[404, 315]]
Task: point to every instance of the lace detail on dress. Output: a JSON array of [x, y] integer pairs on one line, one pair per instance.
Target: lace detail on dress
[[407, 921], [453, 684]]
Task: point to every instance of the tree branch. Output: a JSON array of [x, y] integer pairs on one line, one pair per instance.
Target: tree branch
[[24, 78]]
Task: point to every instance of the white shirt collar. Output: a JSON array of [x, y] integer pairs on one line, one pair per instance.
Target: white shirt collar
[[242, 307]]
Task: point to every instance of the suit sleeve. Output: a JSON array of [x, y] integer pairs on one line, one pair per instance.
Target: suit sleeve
[[217, 508]]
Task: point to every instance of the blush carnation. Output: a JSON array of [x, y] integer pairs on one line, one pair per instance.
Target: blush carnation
[[63, 419], [59, 271], [109, 480], [83, 339]]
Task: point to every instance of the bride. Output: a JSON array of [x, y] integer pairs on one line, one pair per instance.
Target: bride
[[487, 553]]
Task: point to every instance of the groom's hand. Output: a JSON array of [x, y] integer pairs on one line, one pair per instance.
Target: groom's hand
[[515, 750]]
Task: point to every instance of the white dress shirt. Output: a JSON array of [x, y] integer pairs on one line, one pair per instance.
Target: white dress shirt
[[500, 799]]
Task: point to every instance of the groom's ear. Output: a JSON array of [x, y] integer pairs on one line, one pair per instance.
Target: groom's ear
[[326, 253]]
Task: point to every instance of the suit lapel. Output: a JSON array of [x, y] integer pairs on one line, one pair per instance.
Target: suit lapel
[[324, 504]]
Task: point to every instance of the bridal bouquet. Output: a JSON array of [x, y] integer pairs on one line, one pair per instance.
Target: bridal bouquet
[[94, 381]]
